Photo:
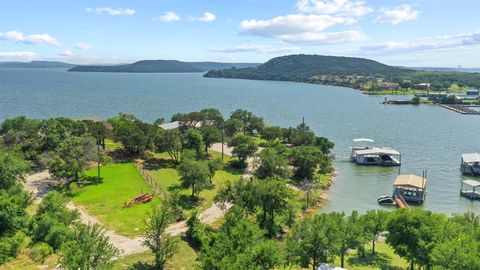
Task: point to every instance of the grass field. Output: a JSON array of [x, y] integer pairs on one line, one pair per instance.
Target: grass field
[[111, 145], [184, 259], [121, 182], [384, 259]]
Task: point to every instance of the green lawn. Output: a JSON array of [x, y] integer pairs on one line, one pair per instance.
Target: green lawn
[[121, 182], [184, 259], [111, 145], [384, 259]]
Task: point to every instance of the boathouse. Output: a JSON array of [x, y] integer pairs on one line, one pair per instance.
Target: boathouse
[[470, 189], [470, 164], [410, 187]]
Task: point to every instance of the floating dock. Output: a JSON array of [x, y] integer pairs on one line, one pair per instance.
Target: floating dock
[[462, 109]]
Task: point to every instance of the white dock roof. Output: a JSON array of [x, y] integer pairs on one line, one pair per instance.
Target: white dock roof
[[471, 183], [377, 150], [410, 180], [168, 126], [470, 158]]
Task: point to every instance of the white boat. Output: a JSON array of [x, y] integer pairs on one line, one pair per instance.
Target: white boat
[[470, 164], [374, 155]]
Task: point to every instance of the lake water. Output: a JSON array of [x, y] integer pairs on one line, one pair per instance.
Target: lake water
[[429, 137]]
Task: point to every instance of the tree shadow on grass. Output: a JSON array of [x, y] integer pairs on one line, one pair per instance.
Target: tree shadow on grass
[[379, 260], [157, 164], [141, 266]]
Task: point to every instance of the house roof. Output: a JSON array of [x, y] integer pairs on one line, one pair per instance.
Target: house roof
[[471, 183], [410, 180], [377, 150], [470, 158], [172, 125]]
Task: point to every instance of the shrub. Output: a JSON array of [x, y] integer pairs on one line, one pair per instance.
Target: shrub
[[40, 252]]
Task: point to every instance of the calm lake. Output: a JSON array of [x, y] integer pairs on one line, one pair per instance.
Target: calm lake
[[429, 137]]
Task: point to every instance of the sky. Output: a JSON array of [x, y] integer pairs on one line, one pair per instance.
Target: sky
[[440, 33]]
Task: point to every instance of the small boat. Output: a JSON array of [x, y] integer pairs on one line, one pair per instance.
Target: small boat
[[386, 200], [470, 164], [373, 155]]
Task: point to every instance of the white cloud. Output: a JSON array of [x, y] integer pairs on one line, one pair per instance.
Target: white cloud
[[169, 16], [17, 55], [67, 53], [301, 28], [16, 36], [111, 11], [433, 43], [254, 48], [207, 17], [397, 15], [83, 46], [337, 7]]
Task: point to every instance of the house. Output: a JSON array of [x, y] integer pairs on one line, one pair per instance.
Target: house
[[422, 86], [172, 125], [390, 85], [410, 187]]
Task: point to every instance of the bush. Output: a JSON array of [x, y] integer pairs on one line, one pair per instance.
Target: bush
[[40, 252], [10, 246]]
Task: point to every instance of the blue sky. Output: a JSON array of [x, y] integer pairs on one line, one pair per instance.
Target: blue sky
[[396, 32]]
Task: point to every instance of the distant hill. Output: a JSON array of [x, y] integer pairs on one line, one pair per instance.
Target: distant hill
[[303, 67], [447, 69], [36, 64], [159, 66]]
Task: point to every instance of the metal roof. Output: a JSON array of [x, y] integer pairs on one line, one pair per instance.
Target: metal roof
[[471, 183], [410, 180], [470, 158], [377, 150], [363, 140], [172, 125]]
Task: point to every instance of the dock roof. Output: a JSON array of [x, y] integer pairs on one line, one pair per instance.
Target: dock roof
[[410, 180], [377, 150], [470, 158], [168, 126], [472, 183]]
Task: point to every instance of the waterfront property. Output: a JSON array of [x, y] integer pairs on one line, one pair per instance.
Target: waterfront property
[[470, 189], [379, 156], [470, 164], [411, 188]]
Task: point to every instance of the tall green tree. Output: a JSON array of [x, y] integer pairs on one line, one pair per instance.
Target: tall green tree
[[211, 134], [243, 147], [351, 234], [250, 121], [314, 240], [162, 245], [12, 169], [271, 164], [169, 141], [194, 174], [306, 160], [71, 158], [374, 224], [193, 139], [88, 249]]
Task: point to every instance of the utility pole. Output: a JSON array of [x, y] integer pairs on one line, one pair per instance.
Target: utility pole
[[99, 142], [223, 134]]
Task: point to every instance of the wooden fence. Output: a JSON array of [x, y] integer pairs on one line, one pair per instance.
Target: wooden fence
[[157, 190]]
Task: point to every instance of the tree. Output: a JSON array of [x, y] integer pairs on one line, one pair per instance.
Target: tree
[[71, 158], [162, 245], [243, 147], [232, 126], [193, 119], [314, 240], [413, 234], [135, 135], [374, 223], [460, 252], [211, 135], [12, 169], [351, 234], [306, 160], [272, 197], [169, 141], [249, 120], [159, 121], [194, 174], [214, 116], [52, 220], [193, 140], [272, 133], [271, 164], [89, 249]]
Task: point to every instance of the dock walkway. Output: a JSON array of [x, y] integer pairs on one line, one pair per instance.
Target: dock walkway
[[462, 109]]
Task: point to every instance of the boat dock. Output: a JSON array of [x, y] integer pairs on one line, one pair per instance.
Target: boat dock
[[400, 201], [462, 109], [469, 189]]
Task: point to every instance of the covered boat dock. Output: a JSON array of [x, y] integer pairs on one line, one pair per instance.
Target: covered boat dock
[[470, 189], [411, 188], [470, 164], [380, 156]]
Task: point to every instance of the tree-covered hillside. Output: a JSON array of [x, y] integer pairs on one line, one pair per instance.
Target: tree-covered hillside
[[144, 66], [357, 73]]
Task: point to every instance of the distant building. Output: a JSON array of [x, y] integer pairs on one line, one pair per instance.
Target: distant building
[[172, 125], [390, 85], [473, 92], [422, 86], [437, 96]]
